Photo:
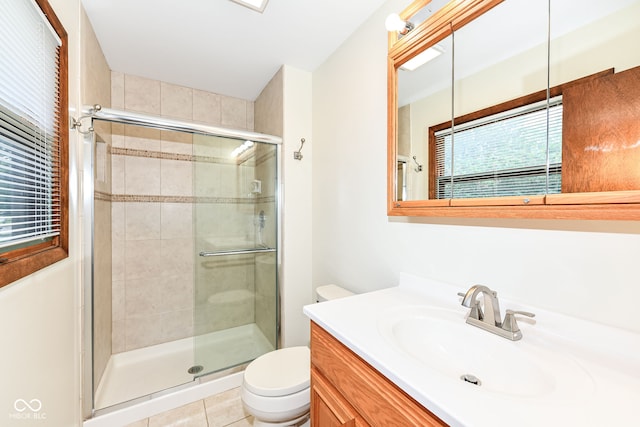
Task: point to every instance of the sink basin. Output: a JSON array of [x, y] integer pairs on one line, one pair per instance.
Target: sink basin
[[441, 341]]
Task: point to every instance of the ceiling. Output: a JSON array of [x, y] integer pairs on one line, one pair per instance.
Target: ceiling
[[218, 45]]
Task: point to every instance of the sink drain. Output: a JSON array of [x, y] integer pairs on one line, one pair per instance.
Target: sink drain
[[195, 369], [471, 379]]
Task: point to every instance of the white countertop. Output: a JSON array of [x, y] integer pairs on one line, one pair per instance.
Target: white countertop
[[608, 361]]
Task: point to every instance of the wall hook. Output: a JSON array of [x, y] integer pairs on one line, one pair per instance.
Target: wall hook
[[419, 166], [297, 155]]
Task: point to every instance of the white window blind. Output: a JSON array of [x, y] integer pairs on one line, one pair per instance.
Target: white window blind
[[29, 134], [502, 155]]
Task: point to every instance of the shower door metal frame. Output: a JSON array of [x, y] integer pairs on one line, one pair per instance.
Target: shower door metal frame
[[87, 274], [125, 117]]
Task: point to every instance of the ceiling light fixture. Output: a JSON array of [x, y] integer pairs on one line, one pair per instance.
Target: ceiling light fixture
[[395, 23], [241, 148], [257, 5], [422, 58]]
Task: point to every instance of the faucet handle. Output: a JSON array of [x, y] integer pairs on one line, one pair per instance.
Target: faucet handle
[[510, 324], [523, 313]]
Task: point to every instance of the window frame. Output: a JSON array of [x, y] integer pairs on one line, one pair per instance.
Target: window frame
[[437, 182], [19, 263]]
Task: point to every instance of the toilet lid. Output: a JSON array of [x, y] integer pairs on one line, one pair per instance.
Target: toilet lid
[[279, 372]]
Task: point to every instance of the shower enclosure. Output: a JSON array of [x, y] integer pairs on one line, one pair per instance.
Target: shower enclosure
[[184, 255]]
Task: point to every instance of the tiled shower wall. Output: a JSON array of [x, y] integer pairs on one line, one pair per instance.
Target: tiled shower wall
[[268, 119], [152, 213]]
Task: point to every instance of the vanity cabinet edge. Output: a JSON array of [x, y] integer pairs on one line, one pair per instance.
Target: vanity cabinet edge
[[348, 379]]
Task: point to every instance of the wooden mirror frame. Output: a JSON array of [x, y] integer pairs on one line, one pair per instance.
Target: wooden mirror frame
[[605, 205]]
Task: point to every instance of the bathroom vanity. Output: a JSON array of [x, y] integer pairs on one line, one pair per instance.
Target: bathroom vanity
[[347, 391], [405, 356]]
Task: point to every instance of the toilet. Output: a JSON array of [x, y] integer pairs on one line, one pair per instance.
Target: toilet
[[275, 386]]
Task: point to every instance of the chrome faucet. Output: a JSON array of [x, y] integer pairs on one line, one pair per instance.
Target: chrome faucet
[[487, 317]]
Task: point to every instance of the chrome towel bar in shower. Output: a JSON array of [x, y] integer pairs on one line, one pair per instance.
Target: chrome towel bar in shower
[[237, 252]]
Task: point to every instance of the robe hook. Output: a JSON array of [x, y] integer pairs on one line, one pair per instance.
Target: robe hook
[[297, 155], [419, 166]]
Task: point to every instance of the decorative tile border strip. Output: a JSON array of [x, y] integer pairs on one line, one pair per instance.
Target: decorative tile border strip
[[131, 152], [137, 198], [128, 198], [99, 195], [152, 154]]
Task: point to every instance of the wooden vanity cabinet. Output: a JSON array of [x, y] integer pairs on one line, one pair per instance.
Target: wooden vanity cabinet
[[347, 391], [328, 407]]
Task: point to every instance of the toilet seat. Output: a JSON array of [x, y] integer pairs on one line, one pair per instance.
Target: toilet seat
[[279, 373]]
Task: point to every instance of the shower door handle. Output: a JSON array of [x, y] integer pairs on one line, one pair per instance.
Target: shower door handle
[[237, 252]]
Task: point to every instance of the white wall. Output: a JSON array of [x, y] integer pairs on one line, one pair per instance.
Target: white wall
[[296, 289], [40, 315], [582, 268]]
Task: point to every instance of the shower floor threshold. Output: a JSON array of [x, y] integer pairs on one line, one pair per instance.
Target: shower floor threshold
[[136, 373]]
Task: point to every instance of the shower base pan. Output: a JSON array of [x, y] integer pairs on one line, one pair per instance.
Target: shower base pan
[[145, 371]]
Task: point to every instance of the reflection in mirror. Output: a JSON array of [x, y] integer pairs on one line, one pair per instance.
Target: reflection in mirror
[[496, 152], [501, 55], [424, 98], [597, 36], [401, 190], [601, 135]]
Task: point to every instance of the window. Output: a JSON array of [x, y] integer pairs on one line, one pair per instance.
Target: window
[[33, 139], [501, 154]]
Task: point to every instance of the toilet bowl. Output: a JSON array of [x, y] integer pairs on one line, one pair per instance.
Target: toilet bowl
[[276, 386]]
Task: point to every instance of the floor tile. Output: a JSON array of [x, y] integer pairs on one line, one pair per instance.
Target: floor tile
[[245, 422], [225, 408], [191, 415]]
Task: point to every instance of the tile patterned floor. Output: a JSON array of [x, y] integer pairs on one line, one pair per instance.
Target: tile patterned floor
[[222, 410]]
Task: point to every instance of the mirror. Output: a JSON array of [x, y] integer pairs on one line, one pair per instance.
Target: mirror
[[494, 53], [418, 105], [499, 58]]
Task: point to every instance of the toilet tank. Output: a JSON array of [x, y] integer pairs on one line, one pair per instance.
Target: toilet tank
[[329, 292]]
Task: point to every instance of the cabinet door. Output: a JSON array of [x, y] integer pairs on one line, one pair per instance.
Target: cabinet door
[[364, 390], [600, 134], [328, 407]]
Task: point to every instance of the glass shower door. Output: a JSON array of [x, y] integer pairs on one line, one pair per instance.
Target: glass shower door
[[235, 226]]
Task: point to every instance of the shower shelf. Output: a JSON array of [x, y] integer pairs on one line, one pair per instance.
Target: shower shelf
[[237, 252]]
